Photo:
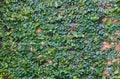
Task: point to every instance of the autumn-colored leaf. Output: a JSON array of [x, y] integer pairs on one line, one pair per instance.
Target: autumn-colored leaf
[[108, 62], [72, 29], [114, 20], [106, 5], [38, 30], [50, 61], [117, 32], [117, 47], [109, 20], [106, 45], [112, 38], [104, 72]]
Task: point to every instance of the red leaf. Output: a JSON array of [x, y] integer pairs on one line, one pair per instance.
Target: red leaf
[[106, 45], [104, 72], [38, 30], [108, 62], [72, 29], [117, 47]]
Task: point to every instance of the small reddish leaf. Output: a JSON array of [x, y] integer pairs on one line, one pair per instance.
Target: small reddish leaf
[[104, 19], [106, 45], [72, 29], [38, 30], [107, 5], [108, 20], [104, 72], [108, 62], [50, 61], [117, 47], [114, 21]]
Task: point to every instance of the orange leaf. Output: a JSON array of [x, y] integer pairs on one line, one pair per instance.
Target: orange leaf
[[117, 47], [104, 72], [108, 62], [107, 5], [106, 45], [38, 30], [109, 20]]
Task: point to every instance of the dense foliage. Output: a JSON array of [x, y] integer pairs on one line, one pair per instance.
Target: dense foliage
[[59, 39]]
